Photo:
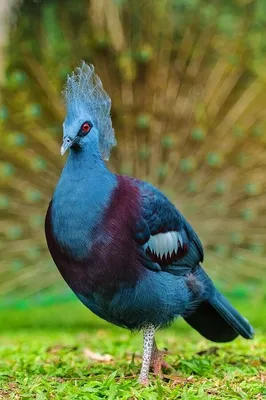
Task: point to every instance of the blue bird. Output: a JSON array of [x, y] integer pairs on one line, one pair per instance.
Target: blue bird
[[123, 248]]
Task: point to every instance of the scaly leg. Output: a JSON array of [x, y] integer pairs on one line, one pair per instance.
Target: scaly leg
[[148, 336], [157, 361]]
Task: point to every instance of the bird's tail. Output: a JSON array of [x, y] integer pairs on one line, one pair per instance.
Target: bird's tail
[[215, 318]]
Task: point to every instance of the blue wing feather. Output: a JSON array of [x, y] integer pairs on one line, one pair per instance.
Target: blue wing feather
[[159, 215]]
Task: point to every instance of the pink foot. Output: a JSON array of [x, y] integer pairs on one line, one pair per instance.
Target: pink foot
[[158, 363]]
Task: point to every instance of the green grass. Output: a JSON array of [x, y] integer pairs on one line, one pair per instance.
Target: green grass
[[42, 357]]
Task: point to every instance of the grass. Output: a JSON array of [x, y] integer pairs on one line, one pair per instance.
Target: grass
[[42, 357]]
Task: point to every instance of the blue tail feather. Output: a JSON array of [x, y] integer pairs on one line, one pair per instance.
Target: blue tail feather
[[231, 315], [216, 319]]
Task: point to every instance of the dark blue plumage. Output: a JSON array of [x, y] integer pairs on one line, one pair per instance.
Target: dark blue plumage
[[120, 244]]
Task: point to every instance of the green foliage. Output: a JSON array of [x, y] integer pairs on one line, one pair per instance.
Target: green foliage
[[42, 357]]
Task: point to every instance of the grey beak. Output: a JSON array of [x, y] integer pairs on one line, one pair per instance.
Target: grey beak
[[67, 142]]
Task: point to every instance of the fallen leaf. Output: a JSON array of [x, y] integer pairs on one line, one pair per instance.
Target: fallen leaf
[[57, 347], [179, 380], [211, 350], [263, 377], [104, 358]]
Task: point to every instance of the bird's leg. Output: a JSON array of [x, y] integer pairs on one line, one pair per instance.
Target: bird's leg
[[157, 361], [148, 336]]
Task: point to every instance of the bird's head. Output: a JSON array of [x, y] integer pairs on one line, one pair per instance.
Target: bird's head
[[88, 120]]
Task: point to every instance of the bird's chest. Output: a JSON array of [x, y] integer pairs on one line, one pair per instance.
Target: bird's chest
[[75, 216], [92, 242]]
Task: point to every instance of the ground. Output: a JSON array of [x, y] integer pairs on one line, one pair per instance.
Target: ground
[[45, 353]]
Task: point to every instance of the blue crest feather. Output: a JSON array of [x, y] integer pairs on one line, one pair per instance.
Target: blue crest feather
[[84, 89]]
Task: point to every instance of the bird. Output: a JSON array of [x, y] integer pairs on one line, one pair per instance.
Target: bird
[[125, 250], [188, 112]]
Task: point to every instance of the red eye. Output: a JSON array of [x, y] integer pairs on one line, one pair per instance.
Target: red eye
[[85, 127]]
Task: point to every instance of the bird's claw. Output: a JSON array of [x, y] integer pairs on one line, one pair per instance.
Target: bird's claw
[[158, 363]]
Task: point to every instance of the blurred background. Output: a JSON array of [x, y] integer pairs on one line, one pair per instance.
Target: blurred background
[[187, 80]]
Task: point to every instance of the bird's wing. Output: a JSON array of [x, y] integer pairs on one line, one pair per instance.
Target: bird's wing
[[166, 240]]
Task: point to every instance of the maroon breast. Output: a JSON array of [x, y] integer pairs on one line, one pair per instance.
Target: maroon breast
[[112, 259]]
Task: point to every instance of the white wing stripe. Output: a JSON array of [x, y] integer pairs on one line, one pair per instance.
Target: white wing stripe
[[171, 243], [175, 241], [168, 243], [164, 243]]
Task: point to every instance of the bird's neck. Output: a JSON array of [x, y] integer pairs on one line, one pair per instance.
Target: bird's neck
[[85, 176], [85, 163], [81, 197]]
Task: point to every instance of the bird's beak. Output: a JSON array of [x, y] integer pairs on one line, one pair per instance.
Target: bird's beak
[[67, 142]]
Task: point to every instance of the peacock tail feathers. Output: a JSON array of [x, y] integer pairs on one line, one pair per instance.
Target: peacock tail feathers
[[187, 85]]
